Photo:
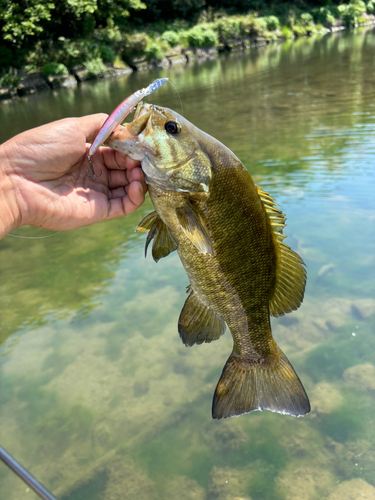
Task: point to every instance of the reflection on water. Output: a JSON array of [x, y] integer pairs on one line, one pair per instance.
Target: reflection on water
[[97, 395]]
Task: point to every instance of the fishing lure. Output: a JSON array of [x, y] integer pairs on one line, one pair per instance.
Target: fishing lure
[[117, 116]]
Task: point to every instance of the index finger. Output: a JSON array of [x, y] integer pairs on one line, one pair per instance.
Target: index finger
[[114, 160]]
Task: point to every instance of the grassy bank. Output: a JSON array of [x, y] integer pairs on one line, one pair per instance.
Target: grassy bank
[[157, 43]]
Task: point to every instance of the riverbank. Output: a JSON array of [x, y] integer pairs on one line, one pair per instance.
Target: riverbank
[[113, 54]]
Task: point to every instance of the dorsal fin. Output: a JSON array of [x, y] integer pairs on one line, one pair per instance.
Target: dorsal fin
[[290, 275]]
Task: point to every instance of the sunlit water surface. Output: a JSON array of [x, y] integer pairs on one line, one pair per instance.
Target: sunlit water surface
[[99, 398]]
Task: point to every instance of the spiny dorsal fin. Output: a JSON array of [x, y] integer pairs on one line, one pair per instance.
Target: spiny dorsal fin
[[198, 323], [164, 241], [291, 275], [194, 228]]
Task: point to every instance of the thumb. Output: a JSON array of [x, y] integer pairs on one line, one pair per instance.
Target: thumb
[[91, 124]]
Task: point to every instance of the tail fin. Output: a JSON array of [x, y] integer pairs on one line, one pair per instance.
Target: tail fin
[[246, 386]]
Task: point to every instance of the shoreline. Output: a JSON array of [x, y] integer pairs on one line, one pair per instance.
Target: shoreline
[[35, 82]]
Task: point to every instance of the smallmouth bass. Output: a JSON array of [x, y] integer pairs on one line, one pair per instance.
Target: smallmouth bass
[[228, 234]]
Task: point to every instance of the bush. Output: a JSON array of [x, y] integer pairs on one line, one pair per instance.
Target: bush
[[252, 26], [286, 33], [95, 67], [262, 24], [9, 78], [154, 52], [370, 7], [350, 12], [171, 38], [362, 20], [299, 30], [134, 45], [54, 69], [306, 19], [107, 54], [228, 28], [272, 23], [291, 19], [324, 16], [202, 36]]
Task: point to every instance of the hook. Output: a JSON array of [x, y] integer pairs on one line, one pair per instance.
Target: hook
[[93, 175]]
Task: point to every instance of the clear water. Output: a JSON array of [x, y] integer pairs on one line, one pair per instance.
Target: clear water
[[99, 399]]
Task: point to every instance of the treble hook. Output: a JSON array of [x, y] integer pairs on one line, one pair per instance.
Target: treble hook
[[93, 174]]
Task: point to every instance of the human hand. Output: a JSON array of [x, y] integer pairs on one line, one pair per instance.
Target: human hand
[[43, 179]]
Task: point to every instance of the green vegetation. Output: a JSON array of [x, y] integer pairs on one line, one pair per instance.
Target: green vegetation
[[201, 36], [54, 69], [9, 78], [89, 33]]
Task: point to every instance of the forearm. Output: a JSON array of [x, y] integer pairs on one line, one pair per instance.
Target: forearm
[[9, 213]]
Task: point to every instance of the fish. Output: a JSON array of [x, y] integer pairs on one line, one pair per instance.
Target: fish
[[228, 233]]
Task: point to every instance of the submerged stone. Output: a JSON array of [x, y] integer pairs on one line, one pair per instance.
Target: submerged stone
[[304, 483], [228, 484], [355, 489], [184, 488], [362, 376], [325, 398]]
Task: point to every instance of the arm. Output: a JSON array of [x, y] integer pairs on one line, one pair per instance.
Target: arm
[[43, 180]]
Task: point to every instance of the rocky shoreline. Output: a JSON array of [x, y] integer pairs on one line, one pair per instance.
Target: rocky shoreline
[[36, 82]]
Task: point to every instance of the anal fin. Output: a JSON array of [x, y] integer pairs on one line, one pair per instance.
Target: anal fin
[[271, 384], [198, 323]]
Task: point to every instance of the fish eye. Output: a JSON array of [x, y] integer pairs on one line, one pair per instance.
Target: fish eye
[[172, 127]]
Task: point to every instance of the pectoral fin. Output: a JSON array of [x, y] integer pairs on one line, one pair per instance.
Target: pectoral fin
[[147, 222], [164, 241], [198, 323], [194, 228]]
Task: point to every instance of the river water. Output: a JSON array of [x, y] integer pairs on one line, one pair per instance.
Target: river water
[[99, 398]]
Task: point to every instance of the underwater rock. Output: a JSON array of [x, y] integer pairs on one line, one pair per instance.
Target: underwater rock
[[127, 480], [101, 434], [228, 484], [184, 488], [304, 483], [362, 376], [226, 438], [357, 458], [355, 489], [325, 398], [311, 325], [363, 308]]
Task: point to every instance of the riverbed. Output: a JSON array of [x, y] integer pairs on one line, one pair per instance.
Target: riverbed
[[100, 400]]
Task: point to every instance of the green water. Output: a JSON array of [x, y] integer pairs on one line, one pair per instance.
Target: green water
[[99, 398]]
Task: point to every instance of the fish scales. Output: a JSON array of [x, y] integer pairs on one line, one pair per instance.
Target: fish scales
[[227, 234]]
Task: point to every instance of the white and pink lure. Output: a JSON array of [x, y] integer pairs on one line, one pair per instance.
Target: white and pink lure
[[118, 115]]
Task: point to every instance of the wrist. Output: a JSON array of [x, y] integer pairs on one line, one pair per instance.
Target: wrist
[[9, 211]]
